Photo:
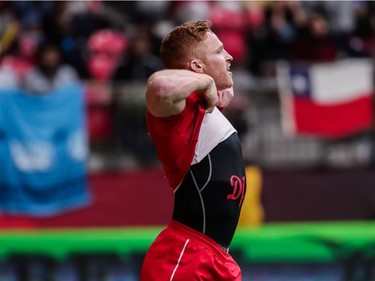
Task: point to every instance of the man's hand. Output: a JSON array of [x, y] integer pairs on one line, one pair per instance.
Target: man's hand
[[211, 97], [224, 97]]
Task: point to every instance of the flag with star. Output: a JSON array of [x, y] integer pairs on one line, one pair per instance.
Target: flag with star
[[328, 100]]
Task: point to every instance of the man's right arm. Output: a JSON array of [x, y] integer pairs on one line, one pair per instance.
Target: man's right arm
[[168, 89]]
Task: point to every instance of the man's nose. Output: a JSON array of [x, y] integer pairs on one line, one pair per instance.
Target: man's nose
[[228, 56]]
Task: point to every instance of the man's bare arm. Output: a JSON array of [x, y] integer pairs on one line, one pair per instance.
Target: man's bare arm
[[167, 90]]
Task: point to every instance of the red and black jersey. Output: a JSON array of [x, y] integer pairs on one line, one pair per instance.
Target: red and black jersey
[[202, 160]]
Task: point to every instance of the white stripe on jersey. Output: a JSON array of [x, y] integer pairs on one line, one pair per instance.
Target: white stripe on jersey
[[214, 129]]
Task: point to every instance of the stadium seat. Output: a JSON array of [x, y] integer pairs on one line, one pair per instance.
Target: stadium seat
[[105, 48]]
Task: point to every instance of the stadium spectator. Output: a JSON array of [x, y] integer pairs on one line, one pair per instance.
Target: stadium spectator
[[20, 57], [58, 28], [317, 43], [362, 40], [48, 72], [138, 64], [9, 27], [272, 40], [244, 18]]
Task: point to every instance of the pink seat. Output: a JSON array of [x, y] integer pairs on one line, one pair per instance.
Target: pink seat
[[107, 41], [106, 48], [101, 66]]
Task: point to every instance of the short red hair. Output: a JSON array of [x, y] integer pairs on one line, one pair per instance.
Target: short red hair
[[179, 44]]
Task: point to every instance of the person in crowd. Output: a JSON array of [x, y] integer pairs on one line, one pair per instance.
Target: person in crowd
[[48, 73], [272, 40], [201, 155], [316, 44], [129, 78], [139, 62], [9, 27]]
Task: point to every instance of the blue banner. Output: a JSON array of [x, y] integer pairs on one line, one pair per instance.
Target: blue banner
[[43, 151]]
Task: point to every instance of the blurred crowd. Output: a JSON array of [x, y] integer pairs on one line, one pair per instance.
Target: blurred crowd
[[120, 40], [44, 44]]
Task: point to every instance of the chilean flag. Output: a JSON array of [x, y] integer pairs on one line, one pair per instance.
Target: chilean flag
[[328, 100]]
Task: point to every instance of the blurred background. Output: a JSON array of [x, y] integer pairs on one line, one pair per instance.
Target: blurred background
[[82, 194]]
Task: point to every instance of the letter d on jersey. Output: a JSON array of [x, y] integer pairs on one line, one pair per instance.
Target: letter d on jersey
[[238, 185]]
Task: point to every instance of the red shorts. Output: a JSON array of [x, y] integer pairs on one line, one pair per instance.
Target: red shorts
[[180, 253]]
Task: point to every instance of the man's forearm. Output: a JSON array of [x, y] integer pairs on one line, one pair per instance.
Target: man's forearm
[[168, 89]]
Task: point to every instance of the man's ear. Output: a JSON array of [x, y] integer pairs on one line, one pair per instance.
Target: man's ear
[[196, 65]]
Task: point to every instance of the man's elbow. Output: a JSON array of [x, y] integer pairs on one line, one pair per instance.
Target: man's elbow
[[159, 87]]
